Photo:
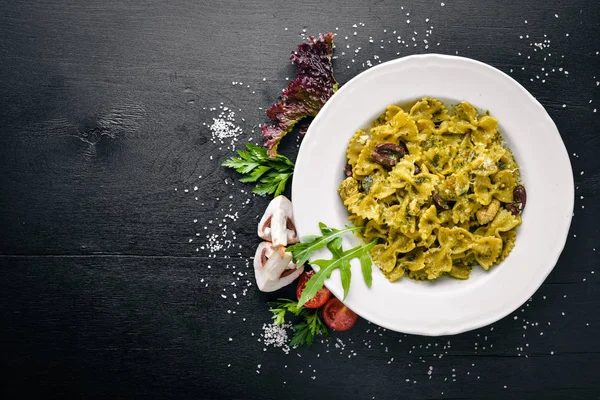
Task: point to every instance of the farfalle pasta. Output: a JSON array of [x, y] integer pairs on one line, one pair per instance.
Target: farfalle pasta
[[437, 189]]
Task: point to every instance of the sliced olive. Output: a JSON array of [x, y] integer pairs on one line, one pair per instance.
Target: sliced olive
[[384, 160], [348, 170], [392, 148], [387, 154], [519, 200], [520, 196], [443, 204], [513, 208]]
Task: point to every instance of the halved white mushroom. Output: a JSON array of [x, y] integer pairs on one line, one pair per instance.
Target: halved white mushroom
[[274, 267], [277, 224]]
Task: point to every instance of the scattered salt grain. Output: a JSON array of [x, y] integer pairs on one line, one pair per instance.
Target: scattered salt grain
[[276, 336], [224, 128]]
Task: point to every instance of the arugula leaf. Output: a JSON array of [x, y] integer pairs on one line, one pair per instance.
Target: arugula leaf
[[255, 165], [302, 251], [312, 325], [345, 272], [304, 331], [365, 266], [340, 260]]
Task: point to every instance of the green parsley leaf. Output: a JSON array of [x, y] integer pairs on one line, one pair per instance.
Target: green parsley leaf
[[305, 331], [340, 260], [312, 326], [273, 183], [280, 307], [278, 315], [302, 251], [256, 173], [255, 165], [301, 335]]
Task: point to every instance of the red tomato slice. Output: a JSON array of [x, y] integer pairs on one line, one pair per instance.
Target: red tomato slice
[[320, 298], [337, 316]]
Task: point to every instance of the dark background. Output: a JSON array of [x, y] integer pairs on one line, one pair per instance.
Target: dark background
[[117, 282]]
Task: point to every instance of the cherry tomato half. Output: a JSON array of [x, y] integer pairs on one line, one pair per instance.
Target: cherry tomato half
[[320, 298], [337, 316]]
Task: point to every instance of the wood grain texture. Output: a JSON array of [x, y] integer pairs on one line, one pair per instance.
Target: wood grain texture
[[154, 325], [112, 276]]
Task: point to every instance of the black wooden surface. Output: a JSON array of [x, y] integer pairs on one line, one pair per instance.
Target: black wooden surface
[[112, 282]]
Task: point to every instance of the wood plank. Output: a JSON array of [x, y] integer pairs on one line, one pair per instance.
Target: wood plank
[[105, 111], [149, 327]]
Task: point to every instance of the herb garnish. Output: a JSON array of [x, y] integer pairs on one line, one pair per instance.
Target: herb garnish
[[305, 331], [256, 166], [310, 244], [332, 238]]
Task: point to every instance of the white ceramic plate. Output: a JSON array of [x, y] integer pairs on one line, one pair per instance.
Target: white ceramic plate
[[446, 306]]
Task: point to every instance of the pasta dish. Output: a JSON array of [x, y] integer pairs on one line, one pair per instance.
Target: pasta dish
[[436, 188]]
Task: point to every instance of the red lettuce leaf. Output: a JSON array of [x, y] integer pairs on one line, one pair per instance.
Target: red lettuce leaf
[[305, 95]]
